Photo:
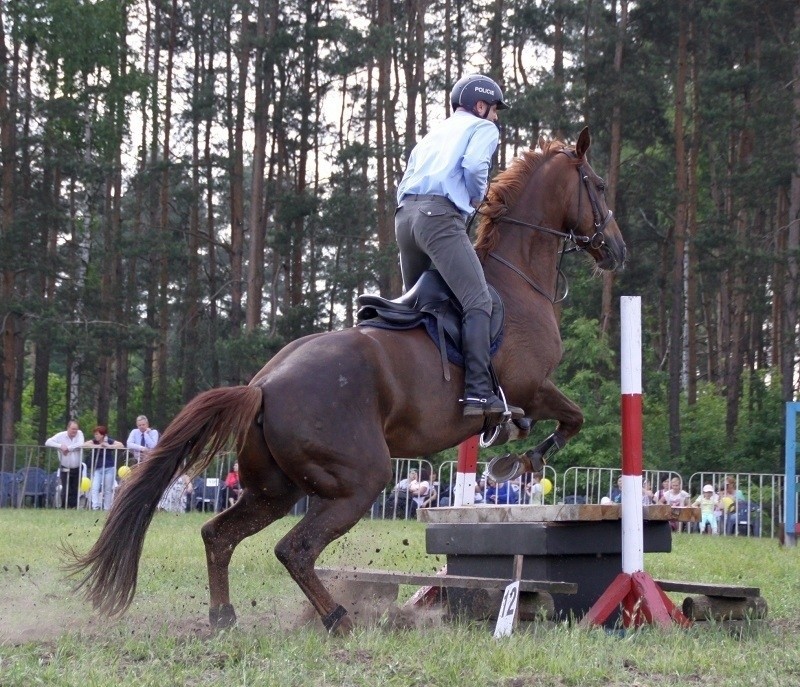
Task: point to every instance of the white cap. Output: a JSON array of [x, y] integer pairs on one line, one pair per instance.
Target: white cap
[[605, 501], [708, 487]]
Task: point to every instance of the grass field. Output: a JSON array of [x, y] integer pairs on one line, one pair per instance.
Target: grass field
[[48, 635]]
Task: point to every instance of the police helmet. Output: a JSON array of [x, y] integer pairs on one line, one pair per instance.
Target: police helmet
[[474, 87]]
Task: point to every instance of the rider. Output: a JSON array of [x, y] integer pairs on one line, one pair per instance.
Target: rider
[[445, 180]]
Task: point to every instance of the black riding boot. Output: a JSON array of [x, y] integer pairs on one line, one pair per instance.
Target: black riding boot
[[479, 398]]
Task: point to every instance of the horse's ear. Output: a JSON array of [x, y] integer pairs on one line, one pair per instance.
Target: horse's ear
[[541, 143], [584, 141]]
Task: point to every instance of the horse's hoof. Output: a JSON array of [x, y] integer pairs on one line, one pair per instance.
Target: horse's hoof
[[222, 617], [505, 468], [536, 459]]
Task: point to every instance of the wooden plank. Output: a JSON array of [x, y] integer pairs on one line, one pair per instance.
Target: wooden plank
[[456, 515], [709, 589], [461, 581]]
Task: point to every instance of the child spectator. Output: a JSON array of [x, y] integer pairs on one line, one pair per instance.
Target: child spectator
[[534, 489], [676, 497], [707, 501]]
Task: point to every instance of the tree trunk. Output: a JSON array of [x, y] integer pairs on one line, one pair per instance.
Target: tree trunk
[[265, 27], [10, 324], [163, 381], [615, 153], [679, 233], [788, 386]]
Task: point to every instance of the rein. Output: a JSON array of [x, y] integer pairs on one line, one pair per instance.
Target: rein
[[596, 241]]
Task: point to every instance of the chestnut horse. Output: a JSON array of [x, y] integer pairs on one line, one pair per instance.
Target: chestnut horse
[[325, 416]]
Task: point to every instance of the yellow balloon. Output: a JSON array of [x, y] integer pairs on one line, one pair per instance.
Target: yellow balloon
[[547, 486], [86, 484], [123, 471], [727, 502]]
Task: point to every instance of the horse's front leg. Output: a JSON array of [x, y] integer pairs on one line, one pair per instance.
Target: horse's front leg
[[551, 404]]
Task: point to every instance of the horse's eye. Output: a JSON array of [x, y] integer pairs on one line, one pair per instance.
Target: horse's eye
[[601, 186]]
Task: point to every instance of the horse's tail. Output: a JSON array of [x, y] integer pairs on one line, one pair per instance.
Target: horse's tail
[[187, 446]]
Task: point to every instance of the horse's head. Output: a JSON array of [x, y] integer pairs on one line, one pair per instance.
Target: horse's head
[[555, 192], [588, 219]]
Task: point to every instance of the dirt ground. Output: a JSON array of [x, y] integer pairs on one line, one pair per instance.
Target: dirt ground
[[41, 606]]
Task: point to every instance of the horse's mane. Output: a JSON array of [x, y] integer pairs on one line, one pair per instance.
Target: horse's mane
[[505, 190]]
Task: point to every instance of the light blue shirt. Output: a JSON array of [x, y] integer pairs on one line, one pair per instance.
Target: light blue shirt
[[452, 160]]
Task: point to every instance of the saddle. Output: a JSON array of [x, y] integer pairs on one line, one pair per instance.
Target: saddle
[[431, 304]]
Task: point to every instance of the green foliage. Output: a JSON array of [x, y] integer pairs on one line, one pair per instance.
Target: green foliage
[[250, 351]]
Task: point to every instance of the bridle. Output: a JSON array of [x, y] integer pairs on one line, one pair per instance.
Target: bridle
[[578, 241]]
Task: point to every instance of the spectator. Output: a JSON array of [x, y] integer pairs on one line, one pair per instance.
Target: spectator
[[431, 498], [662, 493], [616, 492], [729, 496], [647, 495], [534, 490], [502, 493], [143, 439], [175, 496], [708, 506], [676, 497], [70, 452], [233, 488], [104, 467], [399, 505], [421, 493]]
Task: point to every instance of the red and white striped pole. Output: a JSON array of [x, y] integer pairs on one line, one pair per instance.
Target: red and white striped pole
[[631, 407], [464, 492], [641, 599]]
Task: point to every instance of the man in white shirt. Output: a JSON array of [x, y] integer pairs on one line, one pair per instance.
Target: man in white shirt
[[143, 439], [70, 454]]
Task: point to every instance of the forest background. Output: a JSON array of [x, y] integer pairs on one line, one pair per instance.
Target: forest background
[[187, 185]]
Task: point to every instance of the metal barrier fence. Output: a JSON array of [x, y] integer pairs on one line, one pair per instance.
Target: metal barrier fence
[[592, 485], [32, 476], [750, 504]]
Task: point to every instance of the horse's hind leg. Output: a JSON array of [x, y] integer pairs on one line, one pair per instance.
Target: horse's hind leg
[[327, 519], [267, 496]]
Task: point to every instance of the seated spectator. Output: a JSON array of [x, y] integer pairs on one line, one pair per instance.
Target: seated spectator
[[420, 492], [647, 495], [500, 494], [676, 497], [662, 493], [399, 503], [729, 498], [534, 492], [707, 501], [431, 498], [616, 492], [233, 488]]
